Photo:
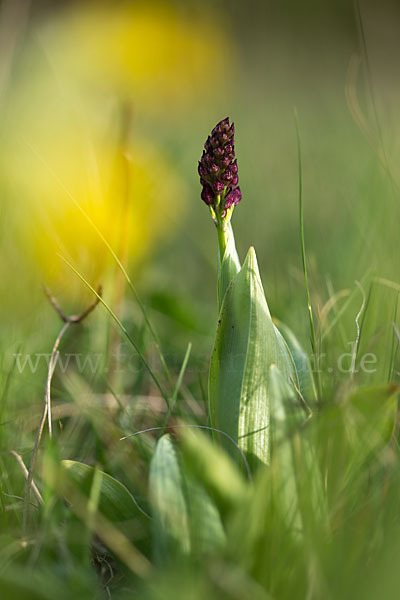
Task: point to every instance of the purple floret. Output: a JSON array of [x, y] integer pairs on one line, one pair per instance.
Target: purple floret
[[218, 168]]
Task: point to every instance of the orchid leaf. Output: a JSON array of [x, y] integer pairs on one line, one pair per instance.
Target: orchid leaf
[[185, 519], [116, 503], [247, 344]]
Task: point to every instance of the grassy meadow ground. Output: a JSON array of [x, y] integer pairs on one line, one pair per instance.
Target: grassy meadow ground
[[110, 108]]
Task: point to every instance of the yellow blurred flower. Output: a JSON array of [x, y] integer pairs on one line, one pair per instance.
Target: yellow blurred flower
[[157, 53], [131, 199], [62, 134]]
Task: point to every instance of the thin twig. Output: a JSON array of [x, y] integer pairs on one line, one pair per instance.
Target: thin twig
[[115, 258], [72, 318], [357, 340], [123, 329], [25, 471], [52, 366], [46, 412], [55, 304]]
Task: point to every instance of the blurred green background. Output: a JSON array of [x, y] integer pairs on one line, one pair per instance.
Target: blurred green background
[[70, 71], [104, 110]]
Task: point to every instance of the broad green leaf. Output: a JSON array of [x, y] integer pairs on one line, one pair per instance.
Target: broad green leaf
[[185, 520], [115, 501], [302, 362], [288, 496], [228, 266], [207, 532], [167, 490], [259, 538], [213, 467], [247, 344]]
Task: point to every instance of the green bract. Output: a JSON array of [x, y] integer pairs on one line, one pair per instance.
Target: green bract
[[247, 344], [185, 519]]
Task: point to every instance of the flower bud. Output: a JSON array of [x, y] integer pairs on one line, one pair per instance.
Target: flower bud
[[207, 195], [225, 161], [218, 170], [218, 186], [214, 169]]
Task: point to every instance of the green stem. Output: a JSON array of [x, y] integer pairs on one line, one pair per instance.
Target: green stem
[[223, 234], [228, 260]]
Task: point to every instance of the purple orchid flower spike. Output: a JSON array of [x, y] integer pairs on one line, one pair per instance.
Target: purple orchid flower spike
[[219, 173]]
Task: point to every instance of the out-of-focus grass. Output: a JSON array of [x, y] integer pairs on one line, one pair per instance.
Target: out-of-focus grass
[[275, 62], [59, 130]]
